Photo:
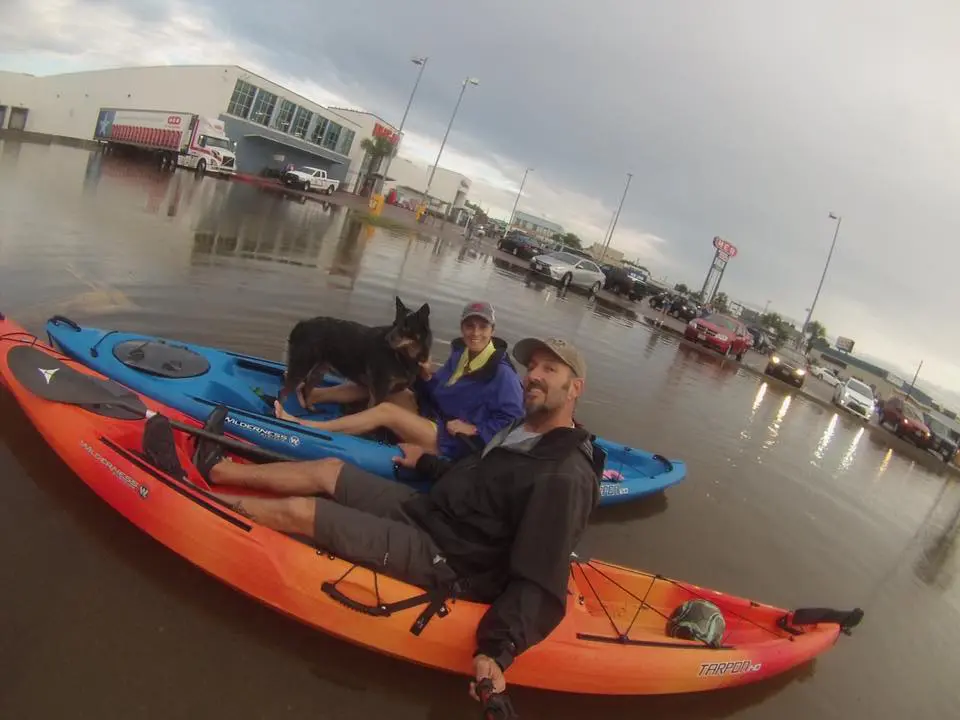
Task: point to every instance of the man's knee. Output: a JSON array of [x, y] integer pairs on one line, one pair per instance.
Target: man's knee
[[325, 472], [297, 514]]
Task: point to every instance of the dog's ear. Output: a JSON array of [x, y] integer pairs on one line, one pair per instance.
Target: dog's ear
[[401, 310], [423, 313]]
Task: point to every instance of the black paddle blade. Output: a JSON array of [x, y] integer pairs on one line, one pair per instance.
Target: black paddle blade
[[49, 378]]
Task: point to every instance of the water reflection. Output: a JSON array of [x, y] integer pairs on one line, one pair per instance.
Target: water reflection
[[826, 437], [848, 456], [933, 566], [774, 427]]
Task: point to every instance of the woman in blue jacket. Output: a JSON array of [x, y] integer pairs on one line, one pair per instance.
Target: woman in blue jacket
[[452, 411]]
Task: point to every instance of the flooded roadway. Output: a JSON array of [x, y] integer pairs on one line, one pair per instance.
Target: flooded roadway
[[786, 502]]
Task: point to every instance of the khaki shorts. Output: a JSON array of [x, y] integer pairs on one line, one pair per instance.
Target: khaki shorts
[[365, 523]]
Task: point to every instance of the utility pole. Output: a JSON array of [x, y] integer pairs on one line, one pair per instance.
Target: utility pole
[[914, 381], [517, 201], [616, 218], [422, 62]]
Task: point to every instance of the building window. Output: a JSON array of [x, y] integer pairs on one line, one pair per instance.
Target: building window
[[332, 137], [242, 99], [263, 107], [319, 129], [284, 116], [346, 142], [301, 121]]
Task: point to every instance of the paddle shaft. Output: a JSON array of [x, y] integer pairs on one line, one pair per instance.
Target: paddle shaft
[[237, 445]]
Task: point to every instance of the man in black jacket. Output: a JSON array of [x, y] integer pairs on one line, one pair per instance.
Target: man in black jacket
[[502, 522]]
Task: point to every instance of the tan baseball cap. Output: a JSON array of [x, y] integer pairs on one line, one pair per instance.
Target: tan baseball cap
[[565, 352]]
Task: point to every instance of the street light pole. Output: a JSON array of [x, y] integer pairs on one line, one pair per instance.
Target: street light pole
[[467, 81], [616, 218], [813, 305], [519, 193], [914, 381], [422, 62]]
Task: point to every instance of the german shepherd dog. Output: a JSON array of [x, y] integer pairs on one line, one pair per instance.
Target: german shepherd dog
[[384, 359]]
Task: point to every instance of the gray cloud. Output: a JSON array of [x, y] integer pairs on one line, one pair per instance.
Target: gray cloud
[[746, 119]]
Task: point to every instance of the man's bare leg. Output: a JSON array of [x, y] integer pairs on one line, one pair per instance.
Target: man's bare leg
[[308, 477], [408, 426], [288, 515], [344, 393]]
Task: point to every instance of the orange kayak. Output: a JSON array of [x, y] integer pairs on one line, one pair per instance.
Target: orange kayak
[[613, 639]]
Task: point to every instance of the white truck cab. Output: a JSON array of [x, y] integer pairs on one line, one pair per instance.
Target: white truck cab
[[210, 150], [310, 178]]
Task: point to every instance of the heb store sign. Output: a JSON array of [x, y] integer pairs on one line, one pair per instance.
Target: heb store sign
[[383, 131]]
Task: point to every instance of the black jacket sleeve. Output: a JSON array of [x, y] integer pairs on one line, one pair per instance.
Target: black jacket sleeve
[[432, 468], [535, 598]]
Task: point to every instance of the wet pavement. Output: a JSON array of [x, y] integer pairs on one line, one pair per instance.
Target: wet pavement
[[786, 501]]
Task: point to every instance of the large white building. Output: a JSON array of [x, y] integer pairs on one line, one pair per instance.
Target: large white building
[[272, 125]]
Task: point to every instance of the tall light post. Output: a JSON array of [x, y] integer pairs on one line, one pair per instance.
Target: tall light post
[[813, 305], [467, 81], [616, 218], [422, 62], [519, 193]]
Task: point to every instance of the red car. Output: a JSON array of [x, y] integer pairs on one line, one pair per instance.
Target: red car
[[722, 333]]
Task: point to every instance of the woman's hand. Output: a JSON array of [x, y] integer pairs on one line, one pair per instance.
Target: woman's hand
[[411, 454], [426, 370], [459, 427]]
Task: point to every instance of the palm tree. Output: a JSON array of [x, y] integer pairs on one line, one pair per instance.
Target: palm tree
[[816, 331], [377, 149], [721, 302]]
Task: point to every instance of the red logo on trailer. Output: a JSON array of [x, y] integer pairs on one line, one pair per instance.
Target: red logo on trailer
[[725, 247], [174, 120]]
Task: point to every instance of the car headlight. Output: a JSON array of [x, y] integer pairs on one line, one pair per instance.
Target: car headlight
[[800, 371], [693, 324], [722, 338], [774, 359]]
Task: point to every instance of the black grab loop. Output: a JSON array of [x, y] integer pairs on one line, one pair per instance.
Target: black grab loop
[[435, 601], [63, 320], [496, 706], [666, 463], [846, 619]]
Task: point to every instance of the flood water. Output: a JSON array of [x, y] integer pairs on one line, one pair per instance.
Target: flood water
[[785, 502]]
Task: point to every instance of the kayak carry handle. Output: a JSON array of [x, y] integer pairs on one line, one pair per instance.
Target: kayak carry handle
[[64, 320], [331, 589]]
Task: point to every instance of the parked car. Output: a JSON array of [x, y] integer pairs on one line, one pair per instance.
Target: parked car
[[905, 420], [788, 365], [762, 342], [310, 178], [523, 246], [568, 269], [828, 375], [722, 333], [661, 300], [941, 439], [684, 308], [621, 281], [855, 396]]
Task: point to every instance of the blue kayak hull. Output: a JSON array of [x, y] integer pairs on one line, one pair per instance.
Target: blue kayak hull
[[195, 379]]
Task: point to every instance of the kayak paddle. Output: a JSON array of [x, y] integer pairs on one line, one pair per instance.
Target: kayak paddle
[[52, 379], [496, 706]]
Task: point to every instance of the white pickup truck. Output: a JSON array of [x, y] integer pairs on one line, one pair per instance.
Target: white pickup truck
[[310, 178]]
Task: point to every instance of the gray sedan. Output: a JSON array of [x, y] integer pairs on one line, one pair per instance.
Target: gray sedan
[[568, 269]]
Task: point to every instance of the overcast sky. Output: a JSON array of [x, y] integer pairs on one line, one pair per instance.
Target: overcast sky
[[747, 119]]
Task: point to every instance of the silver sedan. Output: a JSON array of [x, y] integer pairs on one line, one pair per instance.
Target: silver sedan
[[568, 269]]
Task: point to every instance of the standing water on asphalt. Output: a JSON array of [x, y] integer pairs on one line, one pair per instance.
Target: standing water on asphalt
[[786, 501]]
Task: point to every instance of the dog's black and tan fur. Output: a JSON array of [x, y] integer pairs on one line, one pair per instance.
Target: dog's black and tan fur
[[383, 359]]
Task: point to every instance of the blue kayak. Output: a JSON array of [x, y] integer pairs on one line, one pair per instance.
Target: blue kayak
[[195, 379]]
